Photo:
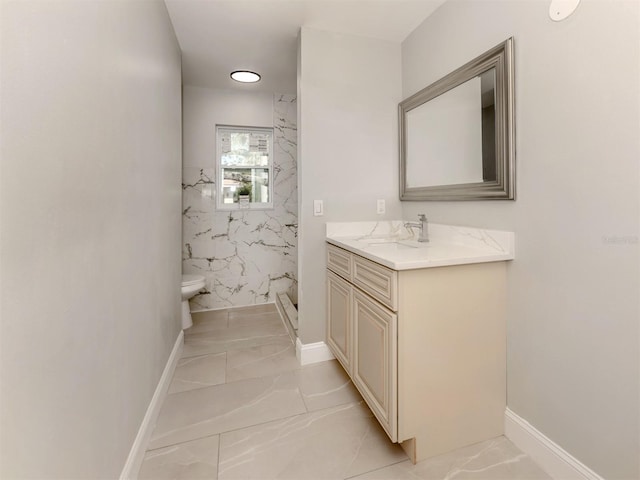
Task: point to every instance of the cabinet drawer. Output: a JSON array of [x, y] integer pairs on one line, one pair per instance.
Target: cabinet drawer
[[378, 281], [339, 261]]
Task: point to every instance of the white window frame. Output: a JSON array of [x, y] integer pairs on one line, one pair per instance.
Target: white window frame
[[220, 205]]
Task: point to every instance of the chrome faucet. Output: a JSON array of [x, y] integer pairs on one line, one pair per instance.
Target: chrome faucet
[[424, 228], [423, 224]]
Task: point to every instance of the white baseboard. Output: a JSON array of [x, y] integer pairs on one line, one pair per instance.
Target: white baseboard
[[550, 456], [139, 447], [312, 352]]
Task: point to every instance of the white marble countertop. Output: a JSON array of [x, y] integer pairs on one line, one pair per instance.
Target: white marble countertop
[[393, 245]]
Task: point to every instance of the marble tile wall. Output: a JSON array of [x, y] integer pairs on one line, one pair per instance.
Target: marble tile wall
[[247, 257]]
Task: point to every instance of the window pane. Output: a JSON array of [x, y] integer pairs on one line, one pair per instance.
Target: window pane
[[250, 149], [245, 181], [244, 167]]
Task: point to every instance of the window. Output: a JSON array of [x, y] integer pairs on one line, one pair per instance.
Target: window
[[244, 167]]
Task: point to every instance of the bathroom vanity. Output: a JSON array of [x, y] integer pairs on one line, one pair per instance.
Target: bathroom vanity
[[420, 329]]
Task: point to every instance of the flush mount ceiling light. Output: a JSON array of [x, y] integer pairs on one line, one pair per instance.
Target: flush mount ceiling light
[[245, 76]]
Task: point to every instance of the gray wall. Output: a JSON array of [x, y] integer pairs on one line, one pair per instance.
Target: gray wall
[[90, 222], [573, 288], [348, 92]]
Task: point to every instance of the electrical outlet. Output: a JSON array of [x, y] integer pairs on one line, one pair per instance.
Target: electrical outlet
[[380, 207]]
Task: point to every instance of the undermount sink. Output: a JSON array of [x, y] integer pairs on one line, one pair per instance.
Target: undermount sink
[[394, 243], [380, 241]]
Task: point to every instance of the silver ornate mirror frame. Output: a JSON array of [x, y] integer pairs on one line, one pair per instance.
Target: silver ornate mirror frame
[[503, 187]]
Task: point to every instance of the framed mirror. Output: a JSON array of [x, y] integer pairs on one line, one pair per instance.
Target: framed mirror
[[457, 136]]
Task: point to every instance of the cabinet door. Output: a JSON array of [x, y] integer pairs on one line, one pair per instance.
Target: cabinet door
[[339, 319], [375, 360]]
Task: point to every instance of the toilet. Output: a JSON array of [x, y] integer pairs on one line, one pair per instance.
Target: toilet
[[191, 284]]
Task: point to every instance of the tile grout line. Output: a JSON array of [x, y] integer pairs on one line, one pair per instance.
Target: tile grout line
[[257, 424], [294, 371], [230, 431], [199, 354], [226, 352], [218, 460], [182, 443], [225, 383], [226, 366], [202, 386], [375, 469]]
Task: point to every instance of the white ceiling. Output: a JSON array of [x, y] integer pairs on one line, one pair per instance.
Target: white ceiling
[[219, 36]]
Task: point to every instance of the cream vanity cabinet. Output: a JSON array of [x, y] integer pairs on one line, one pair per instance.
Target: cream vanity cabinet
[[425, 347]]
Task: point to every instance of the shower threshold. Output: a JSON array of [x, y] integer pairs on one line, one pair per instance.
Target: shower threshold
[[289, 314]]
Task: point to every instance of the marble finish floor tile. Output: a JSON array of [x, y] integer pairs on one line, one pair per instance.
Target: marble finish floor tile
[[328, 444], [270, 418], [198, 372], [261, 361], [496, 459], [197, 459], [251, 319], [206, 411], [233, 338], [325, 385], [253, 309], [208, 321], [211, 315]]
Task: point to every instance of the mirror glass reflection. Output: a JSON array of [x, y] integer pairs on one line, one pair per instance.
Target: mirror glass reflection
[[451, 138]]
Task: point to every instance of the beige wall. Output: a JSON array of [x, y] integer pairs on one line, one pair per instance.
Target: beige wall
[[348, 91], [90, 222], [573, 288]]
